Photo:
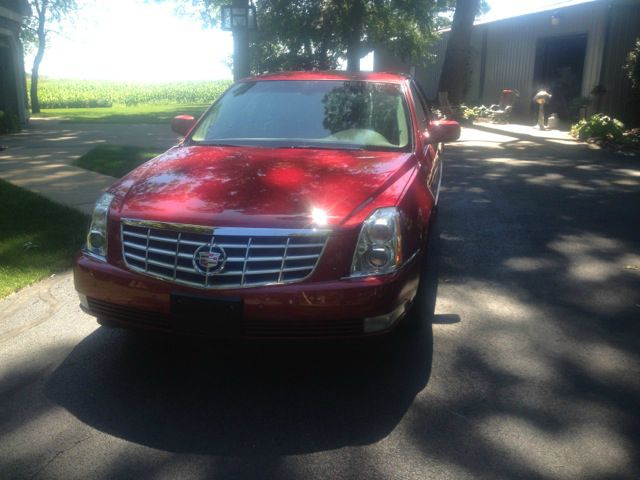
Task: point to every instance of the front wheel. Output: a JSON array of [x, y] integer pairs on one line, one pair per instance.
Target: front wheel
[[423, 308]]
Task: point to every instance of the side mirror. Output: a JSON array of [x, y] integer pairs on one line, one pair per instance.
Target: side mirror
[[182, 124], [443, 131]]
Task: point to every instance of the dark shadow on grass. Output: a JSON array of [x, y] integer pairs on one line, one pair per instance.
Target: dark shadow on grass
[[115, 160]]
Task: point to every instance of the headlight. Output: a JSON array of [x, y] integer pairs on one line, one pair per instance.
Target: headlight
[[378, 250], [97, 236]]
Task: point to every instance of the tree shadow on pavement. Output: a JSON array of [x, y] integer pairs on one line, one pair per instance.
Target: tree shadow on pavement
[[265, 398], [540, 378], [540, 253]]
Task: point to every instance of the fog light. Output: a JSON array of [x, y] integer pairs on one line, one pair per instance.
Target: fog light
[[384, 322], [96, 240], [84, 301]]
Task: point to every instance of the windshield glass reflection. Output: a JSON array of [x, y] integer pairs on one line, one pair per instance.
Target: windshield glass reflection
[[308, 114]]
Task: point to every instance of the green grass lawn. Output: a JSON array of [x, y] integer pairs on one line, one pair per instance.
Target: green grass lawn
[[149, 114], [115, 160], [37, 237]]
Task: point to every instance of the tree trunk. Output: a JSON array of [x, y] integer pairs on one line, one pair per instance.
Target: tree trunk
[[323, 58], [35, 102], [42, 40], [353, 58], [354, 36], [454, 76]]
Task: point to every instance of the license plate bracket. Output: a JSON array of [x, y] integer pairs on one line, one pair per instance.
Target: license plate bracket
[[210, 316]]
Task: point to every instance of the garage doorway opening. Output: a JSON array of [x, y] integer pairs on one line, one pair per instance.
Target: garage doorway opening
[[559, 68]]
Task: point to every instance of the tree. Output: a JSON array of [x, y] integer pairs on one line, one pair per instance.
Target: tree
[[455, 72], [294, 35], [43, 12], [318, 34], [313, 34]]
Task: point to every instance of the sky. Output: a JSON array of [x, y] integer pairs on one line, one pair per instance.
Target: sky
[[138, 40]]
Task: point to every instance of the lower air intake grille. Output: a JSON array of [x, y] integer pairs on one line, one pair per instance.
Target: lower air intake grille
[[291, 328], [128, 315], [303, 329]]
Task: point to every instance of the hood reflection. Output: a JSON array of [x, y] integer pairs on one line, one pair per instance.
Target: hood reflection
[[256, 186]]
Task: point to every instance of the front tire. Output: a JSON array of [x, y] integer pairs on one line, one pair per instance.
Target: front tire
[[423, 309]]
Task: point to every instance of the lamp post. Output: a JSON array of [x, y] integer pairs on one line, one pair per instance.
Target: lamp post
[[239, 18]]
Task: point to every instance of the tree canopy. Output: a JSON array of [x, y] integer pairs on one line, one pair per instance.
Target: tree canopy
[[54, 12], [307, 34]]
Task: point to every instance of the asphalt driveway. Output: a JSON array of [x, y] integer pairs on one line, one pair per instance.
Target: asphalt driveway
[[531, 368]]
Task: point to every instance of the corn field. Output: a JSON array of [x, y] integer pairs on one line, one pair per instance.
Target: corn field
[[55, 93]]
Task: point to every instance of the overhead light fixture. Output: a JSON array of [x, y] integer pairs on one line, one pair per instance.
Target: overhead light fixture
[[234, 18]]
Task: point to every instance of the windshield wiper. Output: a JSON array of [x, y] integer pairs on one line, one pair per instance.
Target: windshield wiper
[[324, 147], [214, 144]]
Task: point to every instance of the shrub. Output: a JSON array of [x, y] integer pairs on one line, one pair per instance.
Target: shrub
[[598, 126], [471, 113], [632, 137], [632, 65]]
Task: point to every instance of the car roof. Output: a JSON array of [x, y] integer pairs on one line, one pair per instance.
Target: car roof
[[384, 77]]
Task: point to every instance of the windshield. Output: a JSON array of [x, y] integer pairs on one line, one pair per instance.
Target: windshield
[[312, 114]]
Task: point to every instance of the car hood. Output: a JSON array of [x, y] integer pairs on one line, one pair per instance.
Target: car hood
[[257, 187]]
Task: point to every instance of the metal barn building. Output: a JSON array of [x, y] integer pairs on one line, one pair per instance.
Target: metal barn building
[[568, 50]]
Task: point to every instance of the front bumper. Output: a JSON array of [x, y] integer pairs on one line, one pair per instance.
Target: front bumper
[[329, 309]]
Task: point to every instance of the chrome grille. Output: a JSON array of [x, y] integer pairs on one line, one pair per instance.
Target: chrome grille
[[252, 256]]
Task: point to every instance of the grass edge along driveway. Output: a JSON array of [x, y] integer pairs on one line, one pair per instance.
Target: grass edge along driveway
[[121, 114], [37, 237], [115, 160]]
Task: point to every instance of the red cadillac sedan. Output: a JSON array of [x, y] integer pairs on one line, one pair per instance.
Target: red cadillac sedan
[[297, 206]]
